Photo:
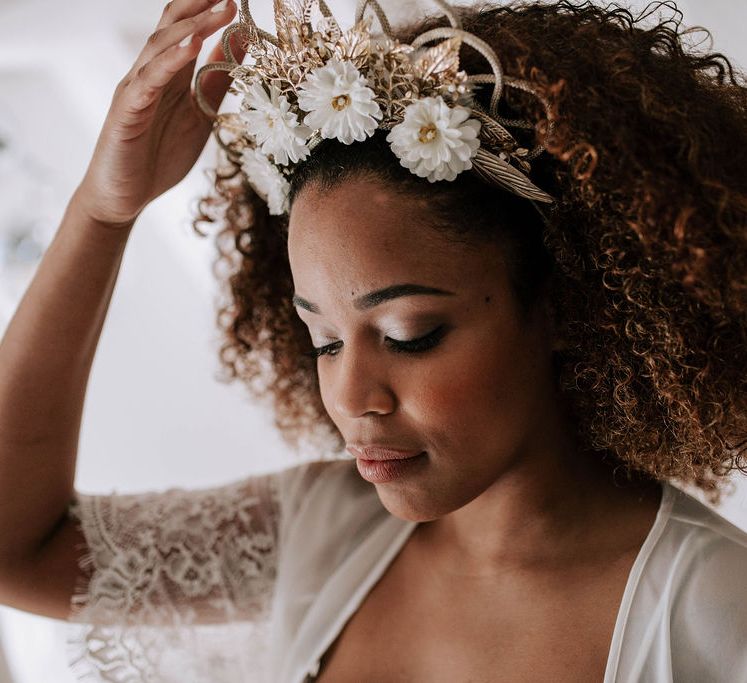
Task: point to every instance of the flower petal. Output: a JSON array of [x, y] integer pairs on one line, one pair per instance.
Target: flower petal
[[339, 102], [265, 178], [434, 140], [274, 127]]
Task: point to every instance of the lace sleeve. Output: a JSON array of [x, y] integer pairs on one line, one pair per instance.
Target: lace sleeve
[[177, 585]]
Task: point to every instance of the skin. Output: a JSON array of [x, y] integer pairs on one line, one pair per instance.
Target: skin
[[503, 485]]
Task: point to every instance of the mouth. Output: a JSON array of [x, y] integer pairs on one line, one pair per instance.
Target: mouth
[[382, 454], [383, 471]]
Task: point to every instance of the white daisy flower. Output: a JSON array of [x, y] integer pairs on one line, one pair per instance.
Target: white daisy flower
[[339, 102], [266, 179], [271, 123], [435, 141]]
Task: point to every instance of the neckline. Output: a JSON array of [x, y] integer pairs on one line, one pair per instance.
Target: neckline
[[406, 528], [662, 517]]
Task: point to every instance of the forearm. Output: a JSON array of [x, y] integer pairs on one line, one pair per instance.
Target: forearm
[[45, 360]]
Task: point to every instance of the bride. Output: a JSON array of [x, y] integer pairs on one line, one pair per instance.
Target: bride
[[494, 263]]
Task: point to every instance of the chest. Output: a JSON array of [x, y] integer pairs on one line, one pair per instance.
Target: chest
[[416, 626]]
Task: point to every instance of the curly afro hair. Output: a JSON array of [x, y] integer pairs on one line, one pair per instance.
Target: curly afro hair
[[644, 252]]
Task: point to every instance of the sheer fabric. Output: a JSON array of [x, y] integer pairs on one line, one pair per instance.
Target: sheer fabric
[[254, 581], [178, 584]]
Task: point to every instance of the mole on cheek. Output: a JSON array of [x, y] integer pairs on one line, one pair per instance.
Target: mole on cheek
[[487, 299]]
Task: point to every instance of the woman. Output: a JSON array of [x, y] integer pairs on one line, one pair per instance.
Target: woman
[[520, 379]]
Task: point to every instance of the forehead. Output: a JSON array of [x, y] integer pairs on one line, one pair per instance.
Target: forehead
[[360, 235]]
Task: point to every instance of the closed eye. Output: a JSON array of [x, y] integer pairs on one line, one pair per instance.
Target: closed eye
[[419, 345]]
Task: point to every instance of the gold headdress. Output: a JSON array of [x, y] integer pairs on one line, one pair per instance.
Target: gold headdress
[[313, 81]]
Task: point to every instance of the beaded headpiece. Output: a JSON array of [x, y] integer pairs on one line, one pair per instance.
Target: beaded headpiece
[[314, 80]]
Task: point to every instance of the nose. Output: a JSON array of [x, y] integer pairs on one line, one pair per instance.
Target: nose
[[360, 384]]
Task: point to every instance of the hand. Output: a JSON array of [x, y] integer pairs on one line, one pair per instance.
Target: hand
[[154, 131]]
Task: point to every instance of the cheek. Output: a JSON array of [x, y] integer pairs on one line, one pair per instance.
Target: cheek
[[487, 386], [472, 372]]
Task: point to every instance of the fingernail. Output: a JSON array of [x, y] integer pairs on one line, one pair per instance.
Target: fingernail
[[220, 6], [186, 41]]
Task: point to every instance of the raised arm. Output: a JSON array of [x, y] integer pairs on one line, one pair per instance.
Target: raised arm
[[152, 136], [45, 360]]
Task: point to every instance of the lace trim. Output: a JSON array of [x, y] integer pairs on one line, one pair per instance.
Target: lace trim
[[176, 586]]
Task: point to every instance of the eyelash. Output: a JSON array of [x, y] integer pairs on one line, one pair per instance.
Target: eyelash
[[419, 345]]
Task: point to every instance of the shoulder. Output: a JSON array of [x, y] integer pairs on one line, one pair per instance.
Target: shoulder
[[710, 546], [706, 592]]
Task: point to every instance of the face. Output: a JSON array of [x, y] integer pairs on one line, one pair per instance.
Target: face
[[470, 397]]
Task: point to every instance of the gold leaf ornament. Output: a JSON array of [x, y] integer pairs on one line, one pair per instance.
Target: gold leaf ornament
[[288, 21], [439, 63], [354, 44]]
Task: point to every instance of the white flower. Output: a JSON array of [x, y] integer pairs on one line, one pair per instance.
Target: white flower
[[435, 141], [275, 128], [339, 102], [266, 179]]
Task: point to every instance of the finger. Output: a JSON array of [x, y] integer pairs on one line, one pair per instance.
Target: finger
[[202, 24], [176, 10], [214, 84], [147, 85]]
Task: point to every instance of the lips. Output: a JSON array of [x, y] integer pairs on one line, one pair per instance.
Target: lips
[[375, 452]]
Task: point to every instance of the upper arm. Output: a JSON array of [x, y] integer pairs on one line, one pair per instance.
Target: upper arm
[[45, 583], [195, 556]]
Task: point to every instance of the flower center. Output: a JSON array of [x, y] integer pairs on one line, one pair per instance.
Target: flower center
[[428, 133], [340, 102]]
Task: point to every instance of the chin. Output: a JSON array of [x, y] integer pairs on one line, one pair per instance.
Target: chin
[[407, 507]]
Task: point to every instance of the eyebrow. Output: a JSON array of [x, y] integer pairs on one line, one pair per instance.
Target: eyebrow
[[379, 296]]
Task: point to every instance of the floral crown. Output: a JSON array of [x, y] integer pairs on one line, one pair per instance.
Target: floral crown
[[315, 81]]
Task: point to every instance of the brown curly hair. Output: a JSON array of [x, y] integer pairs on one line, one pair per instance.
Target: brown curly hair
[[644, 252]]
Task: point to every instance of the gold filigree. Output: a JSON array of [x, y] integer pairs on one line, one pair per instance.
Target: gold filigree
[[399, 74], [288, 20], [354, 44], [439, 63]]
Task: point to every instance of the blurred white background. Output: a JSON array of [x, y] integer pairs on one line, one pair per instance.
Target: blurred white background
[[155, 416]]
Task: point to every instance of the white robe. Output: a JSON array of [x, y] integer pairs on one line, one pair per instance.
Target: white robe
[[254, 580]]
